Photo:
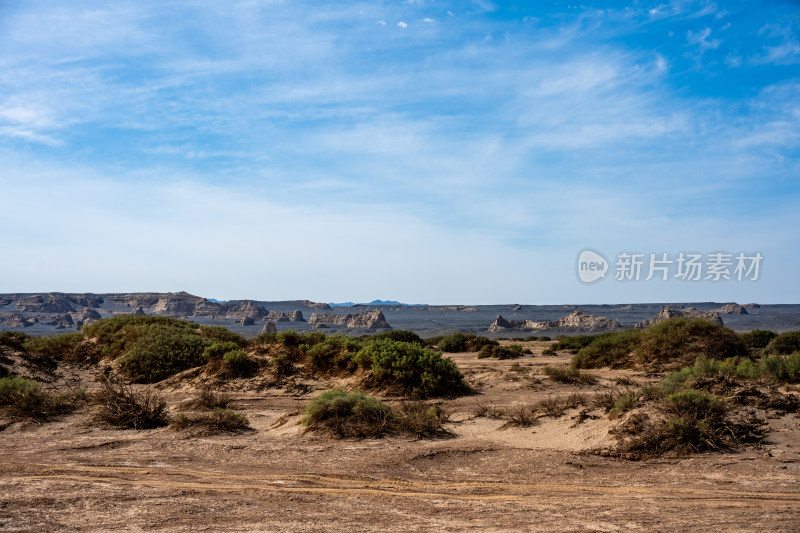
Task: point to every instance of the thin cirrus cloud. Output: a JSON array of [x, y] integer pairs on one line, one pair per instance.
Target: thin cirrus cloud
[[531, 131]]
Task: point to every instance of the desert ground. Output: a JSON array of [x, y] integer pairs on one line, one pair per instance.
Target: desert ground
[[71, 475]]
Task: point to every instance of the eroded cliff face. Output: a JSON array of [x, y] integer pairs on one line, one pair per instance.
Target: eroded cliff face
[[367, 320], [669, 312], [576, 321], [66, 310]]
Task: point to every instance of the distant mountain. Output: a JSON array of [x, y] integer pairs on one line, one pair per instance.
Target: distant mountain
[[375, 302]]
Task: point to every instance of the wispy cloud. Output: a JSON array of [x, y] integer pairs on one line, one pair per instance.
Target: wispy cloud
[[582, 125]]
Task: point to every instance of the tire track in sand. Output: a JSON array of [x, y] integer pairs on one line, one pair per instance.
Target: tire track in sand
[[172, 478]]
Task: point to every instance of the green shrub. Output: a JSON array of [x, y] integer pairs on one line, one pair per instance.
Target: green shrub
[[400, 335], [349, 415], [26, 398], [238, 364], [115, 335], [24, 394], [512, 351], [14, 339], [758, 338], [568, 375], [677, 342], [217, 351], [623, 403], [782, 368], [162, 351], [575, 343], [209, 400], [411, 368], [216, 421], [784, 344], [55, 347], [455, 342], [729, 370], [607, 349], [288, 338], [336, 352], [123, 407]]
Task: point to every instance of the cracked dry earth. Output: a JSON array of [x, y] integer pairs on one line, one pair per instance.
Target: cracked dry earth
[[66, 475]]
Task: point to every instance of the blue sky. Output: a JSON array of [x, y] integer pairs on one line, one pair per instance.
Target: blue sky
[[422, 151]]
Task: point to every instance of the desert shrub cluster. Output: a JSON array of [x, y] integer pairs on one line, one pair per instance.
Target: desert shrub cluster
[[462, 342], [24, 398], [354, 414], [410, 369], [495, 351], [121, 406], [214, 421]]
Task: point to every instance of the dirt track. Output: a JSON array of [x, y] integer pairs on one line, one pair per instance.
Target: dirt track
[[68, 476]]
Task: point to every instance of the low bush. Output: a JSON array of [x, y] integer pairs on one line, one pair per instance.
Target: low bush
[[123, 407], [784, 344], [609, 349], [162, 351], [758, 338], [677, 342], [521, 416], [14, 339], [237, 363], [623, 403], [25, 398], [400, 335], [728, 370], [60, 347], [336, 352], [782, 368], [575, 343], [568, 375], [488, 411], [423, 419], [216, 421], [209, 400], [512, 351], [217, 351], [454, 343], [554, 406], [349, 415], [411, 369], [116, 335]]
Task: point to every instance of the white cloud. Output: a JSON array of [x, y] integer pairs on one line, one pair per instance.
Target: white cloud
[[427, 19], [402, 24], [701, 39], [381, 23]]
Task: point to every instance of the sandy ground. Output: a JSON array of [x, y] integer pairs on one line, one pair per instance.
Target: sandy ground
[[67, 475]]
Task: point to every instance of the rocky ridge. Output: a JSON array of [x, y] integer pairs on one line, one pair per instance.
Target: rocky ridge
[[367, 320], [576, 321], [670, 312]]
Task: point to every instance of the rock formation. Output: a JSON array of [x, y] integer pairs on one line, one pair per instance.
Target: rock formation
[[139, 311], [732, 309], [269, 327], [367, 320], [85, 316], [576, 321], [247, 308], [751, 306], [14, 320], [281, 316], [690, 312], [246, 321], [44, 303]]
